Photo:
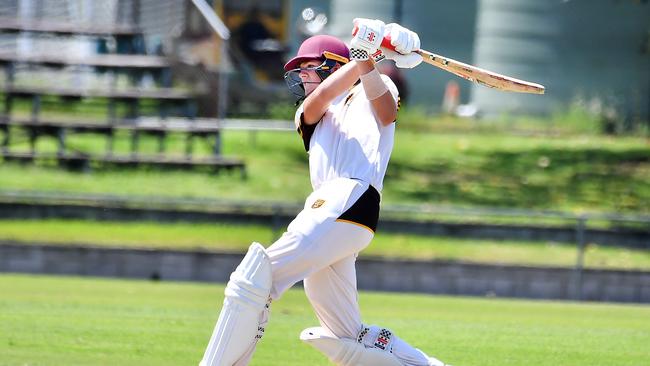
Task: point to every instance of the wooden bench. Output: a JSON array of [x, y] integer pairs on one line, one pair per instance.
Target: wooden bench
[[130, 36], [98, 60], [83, 162], [166, 98], [58, 129], [145, 125], [135, 66], [197, 126], [8, 24], [170, 94], [170, 101]]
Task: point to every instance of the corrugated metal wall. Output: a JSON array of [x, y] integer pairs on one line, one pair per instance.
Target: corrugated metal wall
[[344, 11], [443, 26], [596, 50], [446, 28], [593, 50]]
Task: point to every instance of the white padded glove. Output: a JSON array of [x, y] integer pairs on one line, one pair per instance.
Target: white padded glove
[[404, 40], [408, 61], [368, 38]]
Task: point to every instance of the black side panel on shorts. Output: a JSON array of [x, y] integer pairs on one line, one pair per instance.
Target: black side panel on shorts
[[306, 131], [365, 211]]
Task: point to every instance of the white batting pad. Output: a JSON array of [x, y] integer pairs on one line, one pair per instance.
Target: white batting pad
[[238, 327], [346, 352]]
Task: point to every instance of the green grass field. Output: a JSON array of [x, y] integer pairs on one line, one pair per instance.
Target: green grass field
[[84, 321], [189, 236], [466, 167]]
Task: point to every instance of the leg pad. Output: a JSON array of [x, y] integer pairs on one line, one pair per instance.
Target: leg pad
[[247, 297]]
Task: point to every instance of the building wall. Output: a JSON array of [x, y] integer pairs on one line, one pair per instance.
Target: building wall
[[591, 51], [594, 51], [445, 27]]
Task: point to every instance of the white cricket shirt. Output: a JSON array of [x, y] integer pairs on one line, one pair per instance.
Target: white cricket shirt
[[349, 142]]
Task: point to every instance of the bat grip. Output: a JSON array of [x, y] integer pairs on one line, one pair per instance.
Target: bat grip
[[384, 42]]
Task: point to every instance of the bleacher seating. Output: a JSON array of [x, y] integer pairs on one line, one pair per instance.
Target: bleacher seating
[[168, 100]]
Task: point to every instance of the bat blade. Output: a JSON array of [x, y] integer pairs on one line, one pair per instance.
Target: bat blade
[[484, 77], [481, 76]]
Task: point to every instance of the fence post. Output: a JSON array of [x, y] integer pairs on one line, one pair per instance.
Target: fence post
[[581, 247]]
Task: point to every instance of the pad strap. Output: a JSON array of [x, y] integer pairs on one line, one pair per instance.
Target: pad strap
[[347, 352], [376, 337]]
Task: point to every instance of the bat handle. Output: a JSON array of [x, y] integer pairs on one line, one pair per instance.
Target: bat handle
[[384, 42]]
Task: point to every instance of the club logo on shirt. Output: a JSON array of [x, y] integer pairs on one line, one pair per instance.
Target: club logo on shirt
[[318, 203]]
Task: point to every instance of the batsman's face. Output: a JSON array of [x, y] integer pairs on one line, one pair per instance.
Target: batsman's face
[[308, 75]]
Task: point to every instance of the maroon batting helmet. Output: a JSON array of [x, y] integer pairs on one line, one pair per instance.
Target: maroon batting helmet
[[319, 47]]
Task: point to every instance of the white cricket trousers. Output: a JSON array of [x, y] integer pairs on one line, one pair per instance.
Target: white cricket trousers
[[322, 250]]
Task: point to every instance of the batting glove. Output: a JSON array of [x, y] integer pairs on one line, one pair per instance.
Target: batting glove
[[367, 39], [404, 40], [408, 61]]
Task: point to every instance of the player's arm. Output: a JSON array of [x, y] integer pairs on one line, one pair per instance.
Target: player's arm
[[366, 42], [381, 100], [320, 99]]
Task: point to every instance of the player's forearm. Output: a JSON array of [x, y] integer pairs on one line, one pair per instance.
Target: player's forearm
[[381, 99], [319, 100], [336, 84]]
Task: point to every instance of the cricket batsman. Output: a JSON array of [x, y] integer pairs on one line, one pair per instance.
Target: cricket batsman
[[347, 125]]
